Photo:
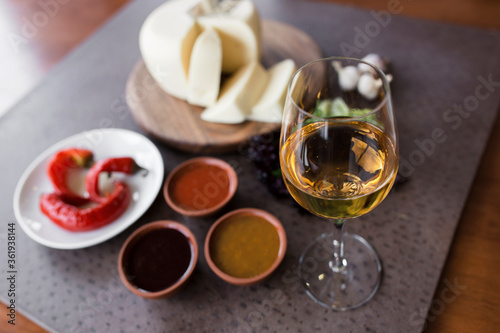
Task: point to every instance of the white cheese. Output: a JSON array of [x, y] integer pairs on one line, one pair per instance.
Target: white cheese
[[238, 94], [168, 36], [205, 69], [239, 31], [166, 40], [269, 107]]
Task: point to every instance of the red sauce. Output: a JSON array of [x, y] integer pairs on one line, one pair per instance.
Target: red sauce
[[199, 186]]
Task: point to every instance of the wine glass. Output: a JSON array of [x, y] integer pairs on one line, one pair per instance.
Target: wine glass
[[339, 159]]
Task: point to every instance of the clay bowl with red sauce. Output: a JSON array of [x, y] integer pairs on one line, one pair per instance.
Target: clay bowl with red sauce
[[157, 259], [200, 186], [245, 246]]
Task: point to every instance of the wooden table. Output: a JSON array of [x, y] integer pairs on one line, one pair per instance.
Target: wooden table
[[473, 261]]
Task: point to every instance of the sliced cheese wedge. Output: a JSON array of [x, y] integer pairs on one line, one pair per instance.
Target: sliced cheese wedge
[[205, 69], [240, 33], [238, 94], [166, 40], [269, 107]]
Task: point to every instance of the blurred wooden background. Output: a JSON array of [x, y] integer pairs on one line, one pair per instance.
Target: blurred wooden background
[[473, 259]]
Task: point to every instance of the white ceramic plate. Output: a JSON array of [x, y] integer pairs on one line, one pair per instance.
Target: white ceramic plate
[[104, 143]]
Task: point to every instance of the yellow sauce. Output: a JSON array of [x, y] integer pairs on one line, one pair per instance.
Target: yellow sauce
[[244, 246]]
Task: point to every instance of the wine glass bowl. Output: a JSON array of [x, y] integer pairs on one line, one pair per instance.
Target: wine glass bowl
[[339, 159]]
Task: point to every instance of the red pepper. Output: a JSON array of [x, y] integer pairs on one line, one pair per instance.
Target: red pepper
[[60, 166], [126, 165], [73, 218]]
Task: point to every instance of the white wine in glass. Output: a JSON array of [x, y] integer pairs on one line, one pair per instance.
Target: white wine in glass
[[339, 159]]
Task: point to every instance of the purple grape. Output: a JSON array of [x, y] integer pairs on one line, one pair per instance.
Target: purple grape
[[263, 151]]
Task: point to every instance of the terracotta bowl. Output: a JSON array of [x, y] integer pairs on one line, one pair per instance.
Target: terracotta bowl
[[259, 278], [173, 177], [141, 232]]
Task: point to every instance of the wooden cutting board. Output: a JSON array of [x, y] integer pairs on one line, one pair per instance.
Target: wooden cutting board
[[178, 124]]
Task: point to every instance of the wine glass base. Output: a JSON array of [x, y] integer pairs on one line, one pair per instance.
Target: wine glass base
[[346, 288]]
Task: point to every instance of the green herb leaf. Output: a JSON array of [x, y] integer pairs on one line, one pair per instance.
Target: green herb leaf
[[328, 108], [276, 172]]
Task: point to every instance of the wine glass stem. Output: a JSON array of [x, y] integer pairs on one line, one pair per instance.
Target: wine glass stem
[[338, 263]]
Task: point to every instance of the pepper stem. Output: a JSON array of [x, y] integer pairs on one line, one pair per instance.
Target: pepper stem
[[137, 168]]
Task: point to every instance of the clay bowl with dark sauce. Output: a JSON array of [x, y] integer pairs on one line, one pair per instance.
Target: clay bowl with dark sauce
[[157, 259]]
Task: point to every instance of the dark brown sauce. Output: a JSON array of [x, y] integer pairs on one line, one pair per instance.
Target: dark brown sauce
[[158, 260]]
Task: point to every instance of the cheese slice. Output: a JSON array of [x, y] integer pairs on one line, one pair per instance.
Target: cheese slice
[[205, 69], [238, 94], [269, 107], [166, 40], [240, 33]]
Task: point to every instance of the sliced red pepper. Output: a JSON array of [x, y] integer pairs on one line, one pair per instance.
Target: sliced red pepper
[[126, 165], [60, 166], [73, 218]]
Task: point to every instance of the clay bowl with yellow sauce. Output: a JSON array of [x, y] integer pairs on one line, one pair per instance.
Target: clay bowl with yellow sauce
[[245, 246]]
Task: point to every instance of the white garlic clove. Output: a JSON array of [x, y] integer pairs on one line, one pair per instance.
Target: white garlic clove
[[368, 86], [348, 77], [375, 60]]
